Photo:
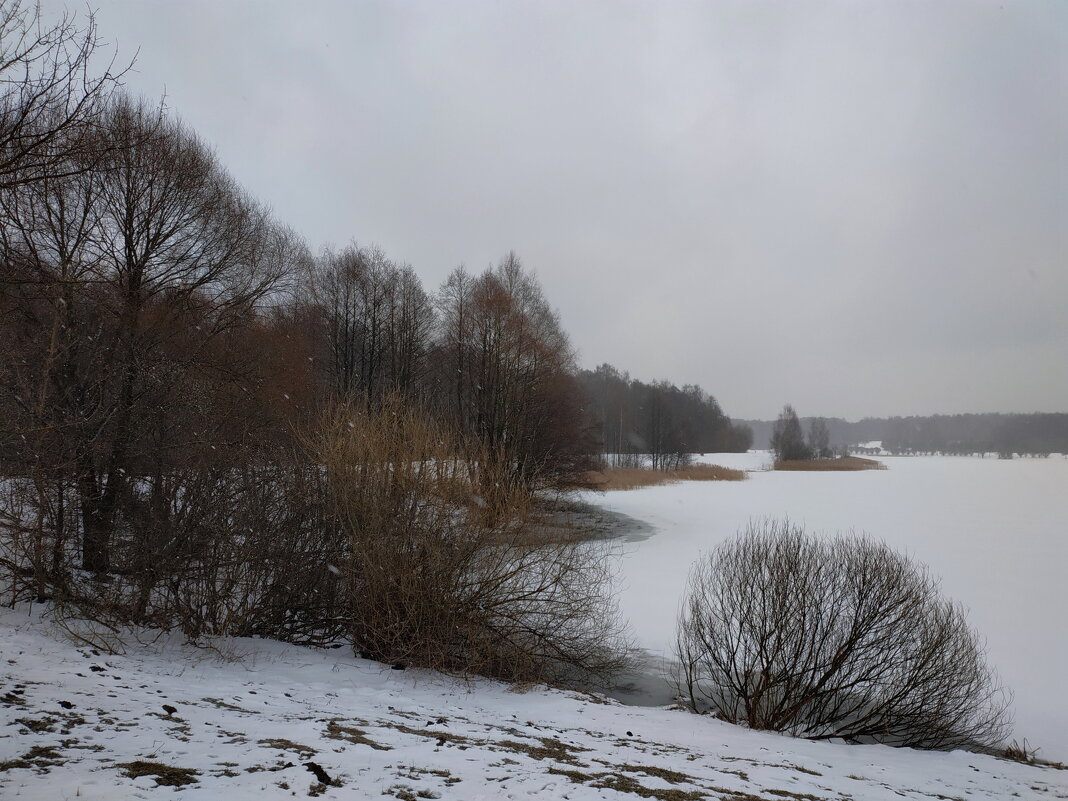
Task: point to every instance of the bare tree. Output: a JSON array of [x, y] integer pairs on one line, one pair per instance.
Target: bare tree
[[787, 437], [819, 438], [454, 303], [186, 255], [836, 637], [124, 286], [509, 375]]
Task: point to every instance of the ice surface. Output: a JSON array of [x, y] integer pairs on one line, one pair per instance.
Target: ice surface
[[995, 531]]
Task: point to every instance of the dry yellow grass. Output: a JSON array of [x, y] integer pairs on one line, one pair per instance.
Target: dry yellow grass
[[842, 463], [628, 478]]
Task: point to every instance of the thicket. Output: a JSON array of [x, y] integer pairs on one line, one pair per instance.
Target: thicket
[[834, 637], [206, 427], [439, 576]]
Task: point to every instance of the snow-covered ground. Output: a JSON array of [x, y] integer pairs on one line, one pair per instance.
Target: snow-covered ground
[[77, 724], [996, 531], [164, 717]]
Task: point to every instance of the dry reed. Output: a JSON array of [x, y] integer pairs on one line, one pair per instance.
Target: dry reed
[[844, 463], [628, 478]]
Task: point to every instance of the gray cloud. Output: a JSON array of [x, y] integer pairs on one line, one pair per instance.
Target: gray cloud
[[857, 208]]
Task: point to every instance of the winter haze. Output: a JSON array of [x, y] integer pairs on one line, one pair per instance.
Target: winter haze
[[855, 208]]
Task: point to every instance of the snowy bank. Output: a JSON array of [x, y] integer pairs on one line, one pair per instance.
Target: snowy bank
[[75, 723]]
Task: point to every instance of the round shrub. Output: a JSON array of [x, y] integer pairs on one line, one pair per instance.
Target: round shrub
[[834, 637]]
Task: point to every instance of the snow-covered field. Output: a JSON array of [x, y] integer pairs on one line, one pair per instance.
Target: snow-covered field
[[165, 718], [996, 531]]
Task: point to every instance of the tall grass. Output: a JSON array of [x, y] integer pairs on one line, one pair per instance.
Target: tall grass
[[443, 570]]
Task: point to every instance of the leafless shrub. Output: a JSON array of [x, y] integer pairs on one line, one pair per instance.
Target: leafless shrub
[[205, 550], [437, 580], [236, 551], [838, 637]]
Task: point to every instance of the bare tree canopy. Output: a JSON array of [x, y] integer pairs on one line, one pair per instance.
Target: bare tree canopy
[[378, 320], [50, 96]]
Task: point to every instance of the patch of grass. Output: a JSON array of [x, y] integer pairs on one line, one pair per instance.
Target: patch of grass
[[1023, 752], [1020, 752], [221, 704], [628, 478], [625, 784], [279, 765], [281, 744], [40, 756], [336, 731], [842, 463], [670, 776], [550, 748], [783, 765], [791, 794], [441, 736], [576, 776], [40, 726], [166, 775], [415, 773]]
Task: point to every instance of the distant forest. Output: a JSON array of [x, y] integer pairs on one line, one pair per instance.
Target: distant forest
[[1025, 434], [659, 420]]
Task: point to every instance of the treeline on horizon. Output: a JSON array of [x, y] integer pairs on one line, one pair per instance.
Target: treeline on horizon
[[1034, 434], [658, 423]]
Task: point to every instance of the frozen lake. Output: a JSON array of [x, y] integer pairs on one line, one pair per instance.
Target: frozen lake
[[994, 531]]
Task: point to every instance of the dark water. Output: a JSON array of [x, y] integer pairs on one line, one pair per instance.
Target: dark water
[[648, 683]]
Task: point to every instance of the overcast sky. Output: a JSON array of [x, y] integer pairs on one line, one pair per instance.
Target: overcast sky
[[858, 208]]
